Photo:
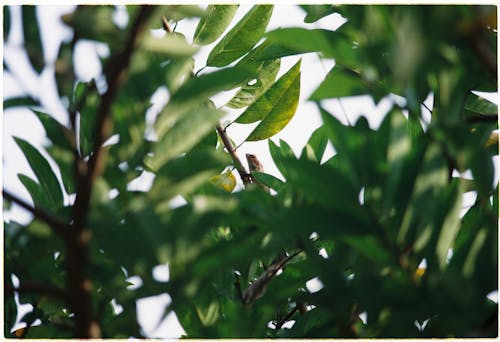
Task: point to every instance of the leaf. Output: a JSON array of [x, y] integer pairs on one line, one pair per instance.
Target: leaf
[[339, 82], [183, 135], [6, 22], [279, 153], [275, 107], [21, 101], [172, 45], [317, 145], [64, 69], [88, 117], [266, 74], [38, 195], [480, 105], [57, 133], [43, 172], [225, 181], [316, 12], [215, 21], [304, 40], [451, 223], [268, 180], [32, 38], [242, 37]]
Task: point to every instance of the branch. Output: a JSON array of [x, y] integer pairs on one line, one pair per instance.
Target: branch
[[58, 226], [245, 176], [488, 118], [77, 248]]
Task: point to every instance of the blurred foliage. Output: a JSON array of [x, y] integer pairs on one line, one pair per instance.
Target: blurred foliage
[[380, 225]]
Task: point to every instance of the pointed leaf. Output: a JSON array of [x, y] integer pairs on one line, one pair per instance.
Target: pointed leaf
[[279, 153], [38, 195], [317, 144], [6, 22], [242, 37], [32, 38], [275, 107], [43, 172], [215, 21], [480, 105], [316, 12], [304, 40], [57, 133], [339, 82]]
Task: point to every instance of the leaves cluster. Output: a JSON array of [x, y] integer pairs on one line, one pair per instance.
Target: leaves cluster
[[380, 224]]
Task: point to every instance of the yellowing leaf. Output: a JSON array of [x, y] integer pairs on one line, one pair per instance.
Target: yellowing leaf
[[275, 107], [225, 181]]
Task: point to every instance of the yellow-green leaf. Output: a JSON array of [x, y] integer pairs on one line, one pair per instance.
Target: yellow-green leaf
[[217, 18], [242, 37], [225, 181], [275, 107]]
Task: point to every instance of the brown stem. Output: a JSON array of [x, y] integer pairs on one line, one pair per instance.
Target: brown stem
[[59, 227], [79, 285], [245, 176]]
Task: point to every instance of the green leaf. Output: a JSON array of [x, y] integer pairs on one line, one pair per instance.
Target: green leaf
[[38, 195], [275, 107], [269, 180], [266, 74], [183, 135], [21, 101], [480, 105], [172, 45], [304, 40], [279, 153], [316, 145], [32, 38], [64, 160], [451, 223], [88, 118], [43, 172], [6, 22], [339, 82], [64, 69], [316, 12], [215, 21], [57, 133], [242, 37]]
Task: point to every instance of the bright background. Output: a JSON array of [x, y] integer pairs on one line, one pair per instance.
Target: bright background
[[22, 123]]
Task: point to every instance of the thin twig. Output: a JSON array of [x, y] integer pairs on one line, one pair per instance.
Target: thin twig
[[245, 176], [58, 226]]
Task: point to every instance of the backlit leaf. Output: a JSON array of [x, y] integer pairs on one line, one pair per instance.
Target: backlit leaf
[[275, 107], [242, 37], [215, 21]]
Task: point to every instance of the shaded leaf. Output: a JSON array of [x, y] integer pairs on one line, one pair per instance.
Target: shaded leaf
[[32, 38], [316, 12], [275, 107], [214, 22], [242, 37], [38, 195], [56, 132], [317, 145], [339, 82], [6, 22], [21, 101], [43, 172]]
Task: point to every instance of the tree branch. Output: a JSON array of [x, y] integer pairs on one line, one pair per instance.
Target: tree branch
[[77, 248], [58, 226]]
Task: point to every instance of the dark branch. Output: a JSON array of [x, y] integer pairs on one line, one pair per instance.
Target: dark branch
[[79, 285], [482, 118], [58, 226]]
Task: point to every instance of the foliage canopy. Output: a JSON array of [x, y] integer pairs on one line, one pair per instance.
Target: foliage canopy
[[379, 224]]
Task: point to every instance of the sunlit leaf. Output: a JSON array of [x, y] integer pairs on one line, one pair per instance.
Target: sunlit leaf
[[172, 45], [215, 21], [226, 181], [242, 37], [275, 107], [266, 75], [32, 38]]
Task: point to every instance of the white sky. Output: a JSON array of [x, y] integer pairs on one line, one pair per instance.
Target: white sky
[[22, 123]]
